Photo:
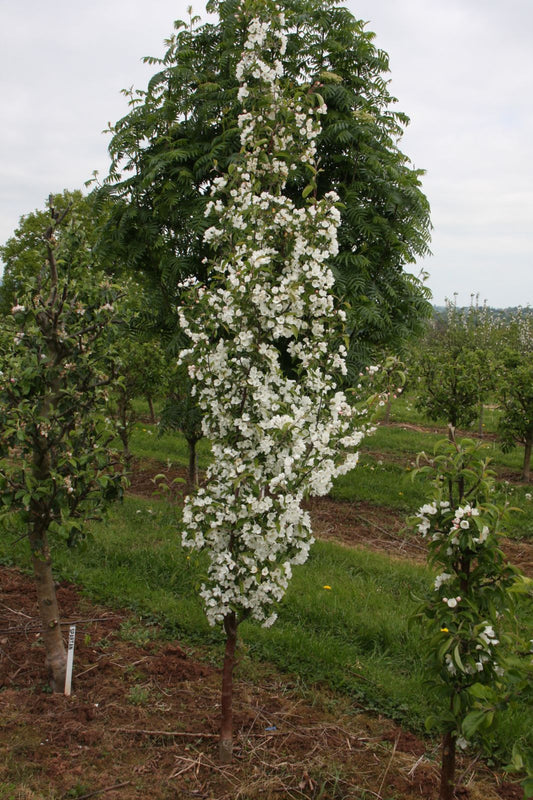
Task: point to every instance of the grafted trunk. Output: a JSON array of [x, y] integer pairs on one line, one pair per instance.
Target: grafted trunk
[[447, 774], [56, 656], [225, 745]]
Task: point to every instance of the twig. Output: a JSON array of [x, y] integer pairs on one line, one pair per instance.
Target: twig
[[94, 666], [461, 777], [19, 613], [416, 765], [35, 626], [102, 791], [194, 734], [388, 766]]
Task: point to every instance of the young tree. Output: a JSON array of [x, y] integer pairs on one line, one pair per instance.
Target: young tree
[[266, 339], [181, 412], [515, 387], [469, 614], [56, 469], [141, 370], [182, 131], [453, 365]]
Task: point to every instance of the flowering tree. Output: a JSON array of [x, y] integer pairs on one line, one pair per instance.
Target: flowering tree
[[266, 347], [54, 440], [469, 611]]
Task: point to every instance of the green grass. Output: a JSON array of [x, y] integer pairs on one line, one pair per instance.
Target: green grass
[[353, 637], [147, 442], [404, 409], [383, 477], [381, 483]]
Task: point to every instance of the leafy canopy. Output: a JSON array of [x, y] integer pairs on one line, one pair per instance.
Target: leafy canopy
[[181, 132]]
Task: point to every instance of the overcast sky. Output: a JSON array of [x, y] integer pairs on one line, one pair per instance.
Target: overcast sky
[[461, 69]]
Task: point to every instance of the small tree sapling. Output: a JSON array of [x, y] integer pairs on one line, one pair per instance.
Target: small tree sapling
[[56, 468]]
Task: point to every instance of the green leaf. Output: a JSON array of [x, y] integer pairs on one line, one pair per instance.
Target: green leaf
[[479, 691], [473, 721]]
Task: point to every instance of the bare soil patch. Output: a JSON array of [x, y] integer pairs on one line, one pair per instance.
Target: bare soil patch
[[142, 723]]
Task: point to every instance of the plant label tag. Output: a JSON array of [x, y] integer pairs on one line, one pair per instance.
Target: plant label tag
[[70, 659]]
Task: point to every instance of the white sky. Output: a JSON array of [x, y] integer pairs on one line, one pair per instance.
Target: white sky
[[461, 69]]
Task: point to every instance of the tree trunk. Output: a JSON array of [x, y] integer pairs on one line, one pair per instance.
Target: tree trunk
[[123, 432], [225, 745], [526, 469], [151, 407], [480, 421], [192, 475], [56, 656], [447, 773]]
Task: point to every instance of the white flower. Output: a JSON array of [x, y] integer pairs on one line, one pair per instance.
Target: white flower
[[275, 439], [451, 602], [442, 578]]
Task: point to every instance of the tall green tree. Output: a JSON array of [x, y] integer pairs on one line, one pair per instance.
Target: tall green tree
[[181, 132]]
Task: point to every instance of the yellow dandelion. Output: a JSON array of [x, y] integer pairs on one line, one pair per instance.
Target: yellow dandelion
[[444, 630], [326, 587]]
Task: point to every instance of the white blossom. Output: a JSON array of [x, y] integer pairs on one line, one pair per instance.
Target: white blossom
[[277, 435]]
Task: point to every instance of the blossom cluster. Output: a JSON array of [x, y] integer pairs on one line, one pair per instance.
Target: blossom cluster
[[266, 349]]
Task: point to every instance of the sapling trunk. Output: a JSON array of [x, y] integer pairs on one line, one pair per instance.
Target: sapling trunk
[[123, 428], [151, 408], [526, 469], [225, 745], [480, 420], [447, 773], [192, 475], [56, 656]]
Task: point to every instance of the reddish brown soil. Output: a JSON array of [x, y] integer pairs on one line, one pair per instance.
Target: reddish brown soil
[[142, 723]]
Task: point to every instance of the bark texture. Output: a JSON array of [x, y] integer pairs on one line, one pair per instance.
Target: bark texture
[[447, 774], [56, 655], [225, 745]]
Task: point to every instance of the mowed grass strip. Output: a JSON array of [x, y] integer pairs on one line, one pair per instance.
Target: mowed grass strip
[[344, 622], [383, 476]]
